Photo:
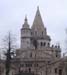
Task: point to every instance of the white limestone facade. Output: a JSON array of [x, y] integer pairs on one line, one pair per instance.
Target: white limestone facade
[[36, 55]]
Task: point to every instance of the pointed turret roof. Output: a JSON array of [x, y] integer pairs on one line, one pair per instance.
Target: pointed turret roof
[[38, 23], [25, 25]]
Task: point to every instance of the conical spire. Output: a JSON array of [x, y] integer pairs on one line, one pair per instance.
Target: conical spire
[[38, 23], [25, 25]]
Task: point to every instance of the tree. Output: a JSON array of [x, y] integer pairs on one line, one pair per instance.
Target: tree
[[9, 46]]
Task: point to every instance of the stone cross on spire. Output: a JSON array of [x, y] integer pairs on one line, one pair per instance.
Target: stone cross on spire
[[26, 19], [25, 25]]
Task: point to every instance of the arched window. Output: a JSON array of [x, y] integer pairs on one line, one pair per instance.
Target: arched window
[[28, 65], [57, 54], [41, 44], [42, 33], [44, 43], [48, 44], [30, 54], [55, 70], [29, 69], [35, 32], [60, 72], [36, 65], [22, 65]]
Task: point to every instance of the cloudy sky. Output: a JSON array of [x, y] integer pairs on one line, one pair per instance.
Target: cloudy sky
[[53, 12]]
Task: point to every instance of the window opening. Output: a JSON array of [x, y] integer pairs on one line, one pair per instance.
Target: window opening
[[41, 44], [48, 44], [30, 54], [55, 70], [44, 43], [60, 72]]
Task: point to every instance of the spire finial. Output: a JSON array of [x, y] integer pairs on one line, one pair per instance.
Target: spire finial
[[38, 7], [25, 25], [25, 18]]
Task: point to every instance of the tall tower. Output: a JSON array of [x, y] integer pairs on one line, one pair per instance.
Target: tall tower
[[35, 53], [25, 35], [39, 31]]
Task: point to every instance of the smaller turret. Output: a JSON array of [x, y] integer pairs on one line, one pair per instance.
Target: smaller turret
[[39, 31], [56, 51], [25, 25], [25, 34]]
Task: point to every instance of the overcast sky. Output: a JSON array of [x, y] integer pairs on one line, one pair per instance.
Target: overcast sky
[[53, 12]]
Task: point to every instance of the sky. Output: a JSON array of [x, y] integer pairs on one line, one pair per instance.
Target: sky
[[53, 12]]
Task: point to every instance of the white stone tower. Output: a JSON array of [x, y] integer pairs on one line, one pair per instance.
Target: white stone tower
[[36, 60], [39, 31], [25, 35]]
